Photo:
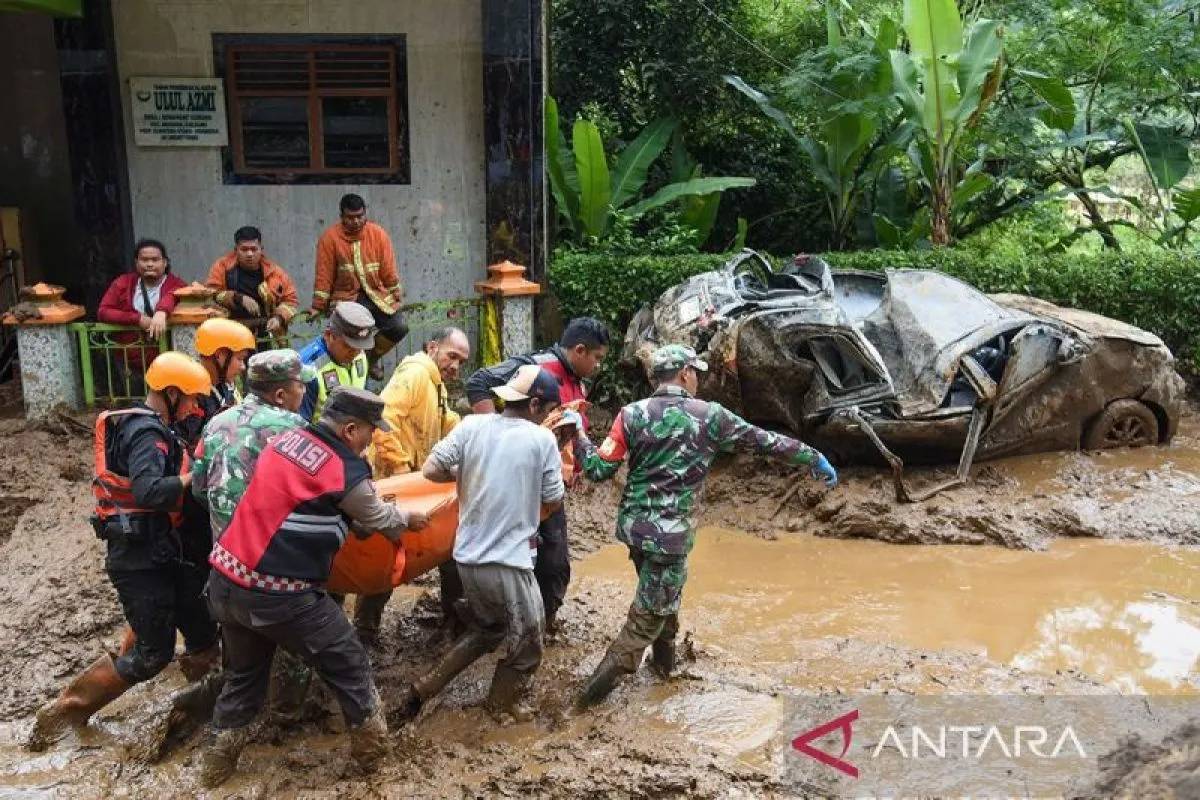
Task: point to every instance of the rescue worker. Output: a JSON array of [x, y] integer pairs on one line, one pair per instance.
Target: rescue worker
[[270, 565], [141, 479], [253, 286], [508, 469], [579, 352], [671, 439], [417, 408], [223, 345], [276, 380], [338, 356], [356, 262]]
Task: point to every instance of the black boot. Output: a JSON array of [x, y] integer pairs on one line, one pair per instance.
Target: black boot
[[662, 657], [602, 682]]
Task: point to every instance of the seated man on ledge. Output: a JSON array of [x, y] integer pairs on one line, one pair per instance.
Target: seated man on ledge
[[251, 285]]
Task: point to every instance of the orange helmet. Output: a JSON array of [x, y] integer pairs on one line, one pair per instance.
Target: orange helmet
[[218, 332], [181, 371]]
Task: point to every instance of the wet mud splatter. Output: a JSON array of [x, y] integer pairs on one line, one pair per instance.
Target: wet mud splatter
[[706, 733]]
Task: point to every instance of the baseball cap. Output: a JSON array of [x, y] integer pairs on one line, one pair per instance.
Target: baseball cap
[[353, 323], [271, 366], [529, 381], [676, 356], [358, 403]]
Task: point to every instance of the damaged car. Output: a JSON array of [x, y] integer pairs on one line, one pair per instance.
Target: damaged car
[[913, 365]]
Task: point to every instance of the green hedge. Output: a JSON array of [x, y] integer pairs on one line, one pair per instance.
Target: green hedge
[[1156, 291]]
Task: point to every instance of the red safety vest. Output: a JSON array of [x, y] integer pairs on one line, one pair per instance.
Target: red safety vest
[[113, 492], [287, 527]]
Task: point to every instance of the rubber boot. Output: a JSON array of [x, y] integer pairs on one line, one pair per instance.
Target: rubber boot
[[460, 656], [408, 706], [662, 657], [505, 695], [195, 666], [602, 682], [368, 741], [91, 690], [219, 759], [128, 640], [368, 617]]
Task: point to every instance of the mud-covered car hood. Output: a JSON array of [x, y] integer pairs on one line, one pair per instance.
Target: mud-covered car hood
[[1084, 321]]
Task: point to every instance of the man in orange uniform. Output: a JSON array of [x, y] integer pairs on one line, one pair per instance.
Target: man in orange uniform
[[355, 261], [251, 285]]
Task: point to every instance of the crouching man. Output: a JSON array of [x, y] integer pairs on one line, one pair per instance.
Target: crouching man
[[271, 563], [508, 468]]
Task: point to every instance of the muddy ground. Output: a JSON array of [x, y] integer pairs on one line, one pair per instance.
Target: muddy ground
[[60, 612]]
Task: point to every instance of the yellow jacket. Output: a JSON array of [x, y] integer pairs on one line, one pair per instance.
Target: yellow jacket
[[418, 409]]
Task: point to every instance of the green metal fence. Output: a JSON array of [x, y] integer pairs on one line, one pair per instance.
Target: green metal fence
[[113, 359]]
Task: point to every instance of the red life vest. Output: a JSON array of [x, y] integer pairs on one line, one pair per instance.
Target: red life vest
[[287, 527], [114, 492]]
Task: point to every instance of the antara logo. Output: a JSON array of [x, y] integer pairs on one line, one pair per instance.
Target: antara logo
[[842, 723], [1017, 742]]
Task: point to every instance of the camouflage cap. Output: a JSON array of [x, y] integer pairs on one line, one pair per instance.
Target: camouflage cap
[[675, 357], [279, 365]]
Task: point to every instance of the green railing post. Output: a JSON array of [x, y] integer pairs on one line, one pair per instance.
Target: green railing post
[[85, 363]]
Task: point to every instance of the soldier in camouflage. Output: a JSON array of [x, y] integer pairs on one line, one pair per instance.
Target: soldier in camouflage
[[234, 438], [671, 440]]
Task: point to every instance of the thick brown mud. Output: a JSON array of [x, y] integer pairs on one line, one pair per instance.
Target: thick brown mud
[[776, 608]]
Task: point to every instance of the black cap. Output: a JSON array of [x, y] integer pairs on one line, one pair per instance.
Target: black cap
[[358, 403]]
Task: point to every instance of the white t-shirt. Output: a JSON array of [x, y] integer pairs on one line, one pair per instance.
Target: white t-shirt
[[507, 467]]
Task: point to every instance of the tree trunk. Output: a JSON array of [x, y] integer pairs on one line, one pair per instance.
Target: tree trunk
[[939, 212], [1099, 223]]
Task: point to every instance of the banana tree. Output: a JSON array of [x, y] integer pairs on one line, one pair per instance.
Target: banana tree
[[944, 84], [839, 148], [590, 195]]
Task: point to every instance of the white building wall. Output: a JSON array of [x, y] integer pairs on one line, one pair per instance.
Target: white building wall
[[436, 221]]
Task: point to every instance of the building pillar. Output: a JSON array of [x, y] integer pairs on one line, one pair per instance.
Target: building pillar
[[46, 350], [194, 307], [506, 284]]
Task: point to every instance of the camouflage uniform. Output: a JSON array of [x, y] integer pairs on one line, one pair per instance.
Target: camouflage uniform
[[671, 439], [235, 437]]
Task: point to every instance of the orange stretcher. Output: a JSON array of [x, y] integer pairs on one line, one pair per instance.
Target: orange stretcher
[[374, 565]]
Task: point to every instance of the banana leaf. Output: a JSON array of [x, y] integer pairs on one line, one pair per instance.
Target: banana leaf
[[595, 185]]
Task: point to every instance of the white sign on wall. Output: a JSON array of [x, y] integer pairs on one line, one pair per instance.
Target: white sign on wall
[[178, 112]]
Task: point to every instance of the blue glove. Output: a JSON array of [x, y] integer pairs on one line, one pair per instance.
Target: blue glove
[[823, 471]]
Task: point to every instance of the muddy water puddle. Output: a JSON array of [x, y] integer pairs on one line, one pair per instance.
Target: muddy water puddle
[[1126, 614], [1117, 474]]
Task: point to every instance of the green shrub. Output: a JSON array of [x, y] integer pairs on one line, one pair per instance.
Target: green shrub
[[1157, 291], [612, 287]]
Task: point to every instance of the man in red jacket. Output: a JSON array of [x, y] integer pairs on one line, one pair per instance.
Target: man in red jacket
[[142, 298]]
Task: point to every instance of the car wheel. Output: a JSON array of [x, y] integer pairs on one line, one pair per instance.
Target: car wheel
[[1123, 423]]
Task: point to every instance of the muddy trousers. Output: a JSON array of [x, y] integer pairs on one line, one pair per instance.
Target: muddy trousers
[[654, 613], [553, 566], [157, 602], [505, 608], [368, 609], [307, 624], [392, 327]]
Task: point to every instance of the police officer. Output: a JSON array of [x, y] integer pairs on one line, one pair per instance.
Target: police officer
[[270, 566], [339, 356], [141, 479], [671, 439]]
